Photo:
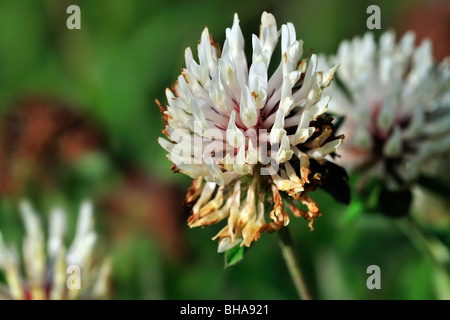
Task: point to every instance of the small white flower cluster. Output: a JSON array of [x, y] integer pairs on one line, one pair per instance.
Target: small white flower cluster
[[46, 275], [227, 119], [226, 108], [396, 104]]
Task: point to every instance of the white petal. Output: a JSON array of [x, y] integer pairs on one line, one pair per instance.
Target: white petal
[[248, 112], [284, 153], [323, 151], [235, 137], [57, 230], [268, 35], [277, 131], [394, 145]]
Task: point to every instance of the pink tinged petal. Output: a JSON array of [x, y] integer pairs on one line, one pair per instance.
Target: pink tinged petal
[[248, 112], [284, 153], [314, 93], [277, 131], [291, 172], [417, 123], [301, 135], [387, 42], [228, 162], [258, 83], [200, 125], [176, 105], [287, 102], [235, 213], [261, 98], [185, 91], [241, 167], [321, 152], [295, 51], [248, 216], [235, 137], [235, 35], [8, 262], [328, 76], [303, 131], [386, 116], [394, 146], [196, 88], [362, 138], [228, 71], [191, 65], [226, 244], [200, 72], [206, 54], [288, 36], [294, 76], [215, 173], [304, 164], [257, 55], [283, 183], [406, 44], [308, 81], [205, 196], [252, 154], [80, 252], [268, 35], [193, 170], [386, 69], [57, 230], [219, 96], [291, 57], [274, 87], [168, 146], [179, 120], [320, 107], [260, 218], [236, 44]]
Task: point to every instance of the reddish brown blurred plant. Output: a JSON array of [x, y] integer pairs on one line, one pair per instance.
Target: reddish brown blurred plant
[[430, 20], [37, 135]]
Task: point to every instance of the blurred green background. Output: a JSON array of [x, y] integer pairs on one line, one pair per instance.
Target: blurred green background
[[78, 120]]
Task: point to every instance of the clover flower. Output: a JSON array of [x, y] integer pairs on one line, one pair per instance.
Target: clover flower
[[396, 102], [61, 274], [244, 136]]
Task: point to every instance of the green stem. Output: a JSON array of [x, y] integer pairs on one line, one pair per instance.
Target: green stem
[[422, 243], [287, 247]]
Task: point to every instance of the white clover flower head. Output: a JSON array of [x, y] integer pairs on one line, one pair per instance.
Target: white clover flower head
[[396, 102], [248, 134], [47, 275]]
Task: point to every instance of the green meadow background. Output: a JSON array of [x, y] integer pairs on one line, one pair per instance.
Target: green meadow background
[[78, 120]]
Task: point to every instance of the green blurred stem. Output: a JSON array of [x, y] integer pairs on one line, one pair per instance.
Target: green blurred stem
[[287, 247], [421, 242]]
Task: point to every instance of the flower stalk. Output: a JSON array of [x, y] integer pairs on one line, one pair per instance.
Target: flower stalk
[[293, 265]]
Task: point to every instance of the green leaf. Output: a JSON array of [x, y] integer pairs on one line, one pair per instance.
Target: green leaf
[[234, 255], [354, 210]]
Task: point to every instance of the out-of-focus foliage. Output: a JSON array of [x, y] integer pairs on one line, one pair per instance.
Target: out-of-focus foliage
[[107, 76]]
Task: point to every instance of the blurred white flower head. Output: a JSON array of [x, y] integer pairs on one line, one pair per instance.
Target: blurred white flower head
[[249, 134], [396, 102], [48, 266]]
